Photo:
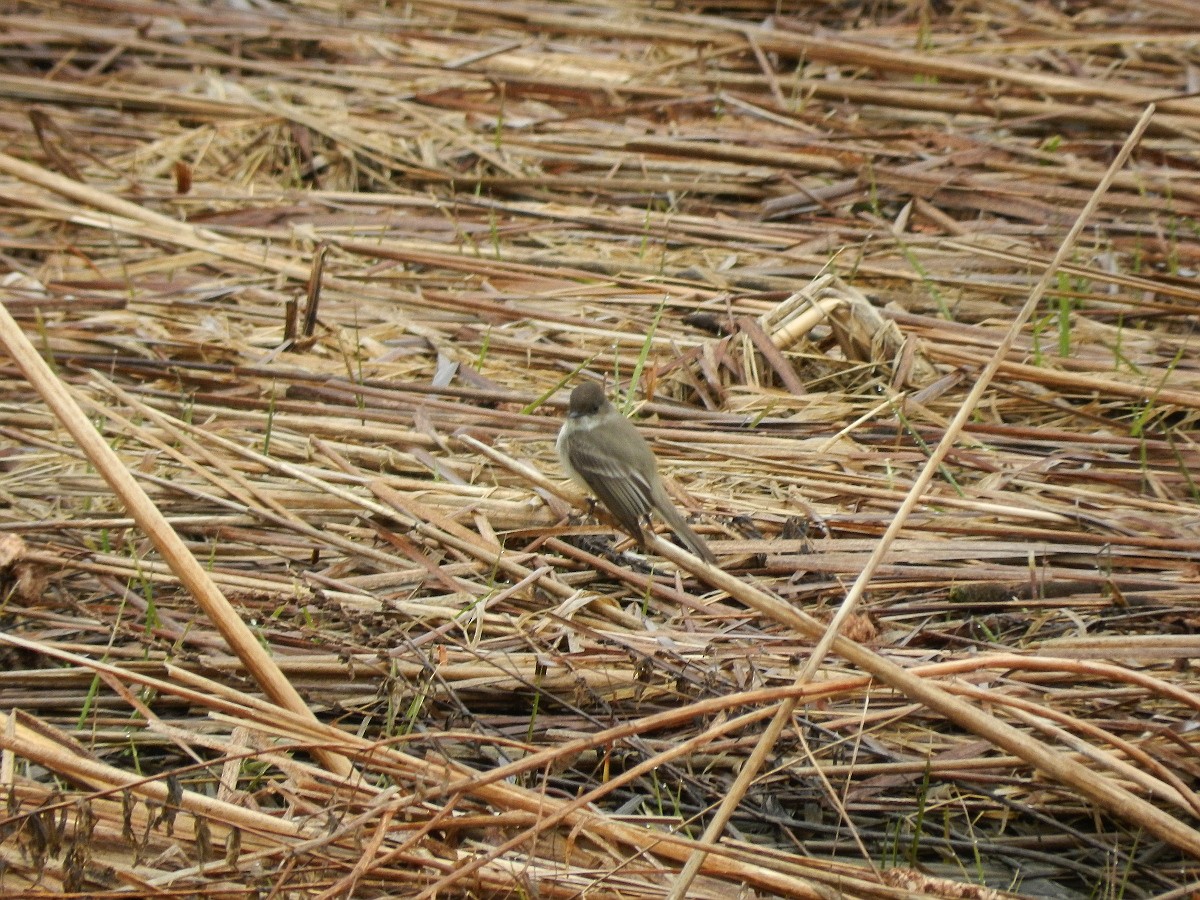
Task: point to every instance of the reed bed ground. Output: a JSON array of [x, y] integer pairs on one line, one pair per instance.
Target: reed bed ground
[[320, 276]]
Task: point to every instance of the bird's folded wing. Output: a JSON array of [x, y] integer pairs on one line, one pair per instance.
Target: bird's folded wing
[[624, 493]]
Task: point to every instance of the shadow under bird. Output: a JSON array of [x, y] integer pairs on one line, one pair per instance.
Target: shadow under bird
[[606, 454]]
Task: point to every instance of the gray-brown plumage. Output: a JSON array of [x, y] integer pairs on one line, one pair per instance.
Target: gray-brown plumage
[[605, 453]]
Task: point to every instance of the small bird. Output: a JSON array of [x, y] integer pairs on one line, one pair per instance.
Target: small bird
[[605, 453]]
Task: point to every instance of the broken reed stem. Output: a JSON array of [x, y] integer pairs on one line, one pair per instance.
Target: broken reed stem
[[1101, 790], [175, 553], [1164, 826]]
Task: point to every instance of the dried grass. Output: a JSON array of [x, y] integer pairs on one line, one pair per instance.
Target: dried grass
[[320, 276]]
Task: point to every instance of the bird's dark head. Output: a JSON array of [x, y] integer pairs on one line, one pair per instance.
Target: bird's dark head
[[586, 400]]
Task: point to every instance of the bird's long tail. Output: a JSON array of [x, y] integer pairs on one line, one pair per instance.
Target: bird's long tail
[[691, 540]]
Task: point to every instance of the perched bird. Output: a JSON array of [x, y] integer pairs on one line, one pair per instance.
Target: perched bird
[[603, 451]]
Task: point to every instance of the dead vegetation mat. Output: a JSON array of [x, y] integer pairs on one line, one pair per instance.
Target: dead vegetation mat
[[319, 615]]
